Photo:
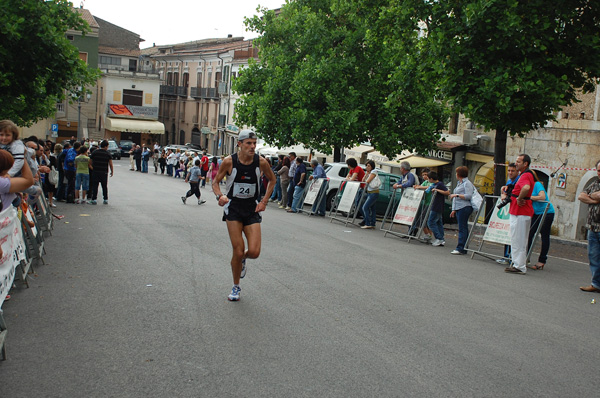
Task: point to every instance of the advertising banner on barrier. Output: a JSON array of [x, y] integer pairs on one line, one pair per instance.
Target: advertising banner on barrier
[[313, 191], [11, 242], [408, 206], [498, 229], [347, 200]]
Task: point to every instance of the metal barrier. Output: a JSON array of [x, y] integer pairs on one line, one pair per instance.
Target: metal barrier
[[314, 195], [348, 202], [411, 211], [497, 222]]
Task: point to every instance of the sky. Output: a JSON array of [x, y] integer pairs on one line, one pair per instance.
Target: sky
[[178, 21]]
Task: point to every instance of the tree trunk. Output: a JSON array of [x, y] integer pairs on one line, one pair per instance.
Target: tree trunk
[[499, 159], [337, 154]]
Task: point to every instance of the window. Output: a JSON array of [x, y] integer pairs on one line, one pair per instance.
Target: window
[[186, 79], [70, 37], [199, 82], [83, 57], [176, 79], [133, 97], [107, 60], [226, 74], [132, 65]]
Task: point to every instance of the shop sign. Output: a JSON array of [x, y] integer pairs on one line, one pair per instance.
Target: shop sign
[[440, 154]]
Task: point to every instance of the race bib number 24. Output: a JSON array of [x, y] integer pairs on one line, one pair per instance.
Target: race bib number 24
[[244, 191]]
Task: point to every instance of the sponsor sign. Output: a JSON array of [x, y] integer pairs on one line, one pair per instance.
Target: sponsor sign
[[348, 197], [313, 191], [498, 229], [147, 112], [13, 249], [408, 206]]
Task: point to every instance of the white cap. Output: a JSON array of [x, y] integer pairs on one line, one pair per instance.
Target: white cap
[[244, 134]]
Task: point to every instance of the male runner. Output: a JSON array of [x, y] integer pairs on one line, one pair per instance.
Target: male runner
[[241, 206]]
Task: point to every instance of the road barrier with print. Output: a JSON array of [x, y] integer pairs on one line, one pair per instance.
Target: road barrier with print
[[348, 203], [410, 211], [314, 195], [497, 230]]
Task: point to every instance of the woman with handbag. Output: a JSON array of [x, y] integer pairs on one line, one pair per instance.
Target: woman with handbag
[[372, 185], [49, 183], [461, 207]]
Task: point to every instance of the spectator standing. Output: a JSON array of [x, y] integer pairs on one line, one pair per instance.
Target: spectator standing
[[162, 162], [513, 177], [101, 161], [299, 184], [145, 159], [435, 221], [9, 186], [137, 156], [50, 161], [156, 159], [426, 201], [131, 158], [461, 207], [521, 211], [276, 196], [82, 178], [291, 174], [591, 197], [171, 162], [318, 172], [284, 178], [70, 170], [538, 196], [204, 168], [60, 159], [408, 178], [214, 168], [372, 185]]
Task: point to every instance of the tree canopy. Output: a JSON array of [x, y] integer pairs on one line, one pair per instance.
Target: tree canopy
[[37, 61], [327, 76], [508, 65]]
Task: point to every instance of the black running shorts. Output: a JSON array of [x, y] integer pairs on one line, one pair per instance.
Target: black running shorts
[[245, 216]]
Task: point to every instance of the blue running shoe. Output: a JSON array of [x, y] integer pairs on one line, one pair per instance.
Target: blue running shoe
[[235, 293], [243, 273]]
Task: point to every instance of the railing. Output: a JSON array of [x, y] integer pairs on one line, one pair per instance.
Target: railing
[[195, 92], [60, 107], [181, 91], [167, 90]]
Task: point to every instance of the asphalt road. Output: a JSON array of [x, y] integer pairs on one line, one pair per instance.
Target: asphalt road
[[133, 303]]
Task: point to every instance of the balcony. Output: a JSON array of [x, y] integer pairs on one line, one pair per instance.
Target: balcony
[[60, 109], [195, 92], [167, 90], [181, 91], [209, 93]]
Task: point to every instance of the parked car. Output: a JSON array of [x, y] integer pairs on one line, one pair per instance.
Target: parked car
[[114, 150], [125, 146]]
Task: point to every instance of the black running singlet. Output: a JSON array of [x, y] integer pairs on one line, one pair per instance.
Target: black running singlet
[[243, 184]]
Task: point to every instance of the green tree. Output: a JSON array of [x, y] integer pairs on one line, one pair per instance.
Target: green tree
[[37, 62], [326, 78], [508, 65]]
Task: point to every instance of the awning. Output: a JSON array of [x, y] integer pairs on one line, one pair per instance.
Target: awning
[[417, 162], [377, 157], [479, 158], [134, 125], [358, 151], [299, 150]]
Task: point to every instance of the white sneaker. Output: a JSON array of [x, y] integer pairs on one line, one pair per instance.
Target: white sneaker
[[437, 242], [428, 238], [201, 201], [455, 252], [235, 293]]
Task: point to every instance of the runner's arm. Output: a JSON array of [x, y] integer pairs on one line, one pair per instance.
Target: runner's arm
[[225, 168]]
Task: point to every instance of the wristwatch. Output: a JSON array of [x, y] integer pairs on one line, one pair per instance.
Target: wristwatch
[[218, 196]]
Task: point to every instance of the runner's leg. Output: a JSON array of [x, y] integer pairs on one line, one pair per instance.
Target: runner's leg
[[235, 229], [253, 236]]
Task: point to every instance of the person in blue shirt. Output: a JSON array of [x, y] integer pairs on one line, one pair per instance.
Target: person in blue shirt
[[513, 177], [299, 184], [318, 172], [408, 178], [435, 221], [538, 197], [71, 171]]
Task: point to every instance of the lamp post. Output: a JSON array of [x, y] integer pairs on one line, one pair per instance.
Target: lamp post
[[81, 99]]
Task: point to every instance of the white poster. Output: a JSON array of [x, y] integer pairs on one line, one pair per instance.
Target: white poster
[[313, 191], [349, 196], [498, 229], [11, 242], [408, 206]]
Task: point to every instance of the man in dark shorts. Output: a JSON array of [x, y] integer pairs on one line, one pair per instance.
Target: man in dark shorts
[[240, 203]]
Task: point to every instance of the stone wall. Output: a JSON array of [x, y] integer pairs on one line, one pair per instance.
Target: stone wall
[[549, 148]]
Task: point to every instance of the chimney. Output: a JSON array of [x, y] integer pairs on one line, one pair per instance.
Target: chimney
[[229, 36]]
